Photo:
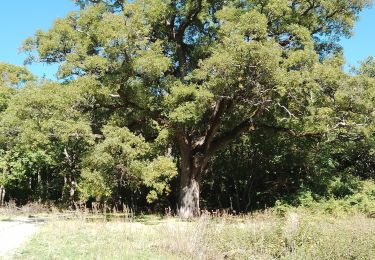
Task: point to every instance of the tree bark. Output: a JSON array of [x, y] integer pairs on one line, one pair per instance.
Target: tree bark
[[189, 195], [72, 191], [190, 169], [2, 195]]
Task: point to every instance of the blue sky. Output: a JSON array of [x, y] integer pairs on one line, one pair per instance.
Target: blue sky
[[20, 19], [362, 44]]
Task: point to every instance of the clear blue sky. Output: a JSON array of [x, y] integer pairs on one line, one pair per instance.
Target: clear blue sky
[[362, 44], [20, 19]]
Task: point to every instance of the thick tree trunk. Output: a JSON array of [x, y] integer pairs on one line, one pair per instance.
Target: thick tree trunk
[[189, 195], [193, 164]]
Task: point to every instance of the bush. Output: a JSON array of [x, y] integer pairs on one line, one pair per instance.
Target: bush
[[360, 200]]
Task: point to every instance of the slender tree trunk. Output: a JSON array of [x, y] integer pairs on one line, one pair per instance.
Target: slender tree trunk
[[2, 195], [69, 191], [72, 192]]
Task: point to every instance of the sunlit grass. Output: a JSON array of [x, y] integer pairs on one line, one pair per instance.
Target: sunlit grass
[[264, 236]]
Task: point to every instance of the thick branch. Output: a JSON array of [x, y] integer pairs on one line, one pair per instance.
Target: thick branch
[[190, 17], [127, 103], [223, 140], [215, 120], [248, 126], [308, 9], [125, 99], [183, 143], [329, 16], [178, 36]]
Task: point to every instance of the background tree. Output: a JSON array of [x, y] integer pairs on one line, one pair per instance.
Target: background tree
[[43, 138], [11, 77]]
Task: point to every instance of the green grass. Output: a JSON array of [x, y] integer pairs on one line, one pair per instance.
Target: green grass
[[264, 236]]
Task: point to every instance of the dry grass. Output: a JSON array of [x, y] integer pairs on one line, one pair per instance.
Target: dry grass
[[263, 236], [11, 209]]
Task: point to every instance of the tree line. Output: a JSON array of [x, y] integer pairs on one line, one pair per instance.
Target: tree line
[[161, 101]]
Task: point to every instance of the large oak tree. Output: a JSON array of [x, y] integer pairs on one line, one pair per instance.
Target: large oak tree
[[205, 71]]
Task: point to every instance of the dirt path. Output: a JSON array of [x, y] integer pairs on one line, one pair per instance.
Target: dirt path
[[14, 233]]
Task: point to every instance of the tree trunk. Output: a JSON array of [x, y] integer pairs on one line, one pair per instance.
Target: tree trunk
[[2, 195], [193, 164], [72, 193], [189, 195], [69, 191]]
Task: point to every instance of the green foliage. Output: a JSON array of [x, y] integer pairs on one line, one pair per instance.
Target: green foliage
[[14, 76], [5, 95], [359, 198], [94, 185], [123, 161], [43, 138], [152, 88], [157, 175], [11, 77]]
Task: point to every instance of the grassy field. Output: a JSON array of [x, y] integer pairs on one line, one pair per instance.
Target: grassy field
[[263, 236]]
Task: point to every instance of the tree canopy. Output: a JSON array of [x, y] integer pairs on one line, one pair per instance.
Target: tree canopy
[[155, 88]]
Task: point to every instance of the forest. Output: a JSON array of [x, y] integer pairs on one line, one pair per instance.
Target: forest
[[192, 105]]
